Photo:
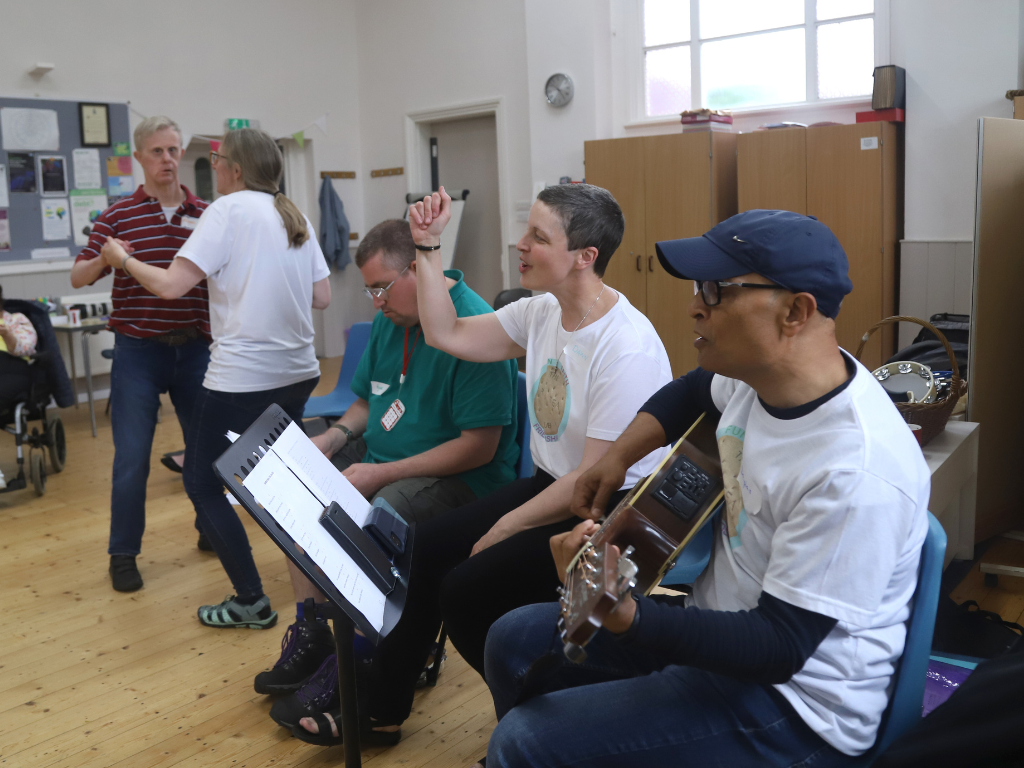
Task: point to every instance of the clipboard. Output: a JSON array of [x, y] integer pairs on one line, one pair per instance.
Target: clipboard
[[233, 466]]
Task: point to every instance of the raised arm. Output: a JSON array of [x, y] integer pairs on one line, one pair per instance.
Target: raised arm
[[480, 338], [171, 283]]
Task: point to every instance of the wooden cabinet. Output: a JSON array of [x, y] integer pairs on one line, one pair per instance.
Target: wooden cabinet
[[673, 186], [850, 178]]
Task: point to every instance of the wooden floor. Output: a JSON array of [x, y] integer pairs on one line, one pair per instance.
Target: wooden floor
[[93, 678]]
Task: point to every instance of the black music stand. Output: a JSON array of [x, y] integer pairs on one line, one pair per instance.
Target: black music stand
[[232, 467]]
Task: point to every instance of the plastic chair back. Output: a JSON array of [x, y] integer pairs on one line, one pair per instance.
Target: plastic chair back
[[694, 558], [907, 699], [524, 467], [338, 401]]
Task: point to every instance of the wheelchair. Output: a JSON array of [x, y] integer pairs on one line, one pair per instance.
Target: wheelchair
[[48, 382]]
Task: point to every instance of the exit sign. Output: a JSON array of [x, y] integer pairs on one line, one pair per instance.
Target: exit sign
[[234, 123]]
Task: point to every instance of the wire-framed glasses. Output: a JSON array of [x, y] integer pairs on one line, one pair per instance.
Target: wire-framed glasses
[[382, 293]]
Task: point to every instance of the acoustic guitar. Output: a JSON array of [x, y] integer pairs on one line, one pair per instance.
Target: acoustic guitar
[[638, 543]]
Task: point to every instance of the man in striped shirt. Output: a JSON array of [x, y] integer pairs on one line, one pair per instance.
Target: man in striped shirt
[[161, 345]]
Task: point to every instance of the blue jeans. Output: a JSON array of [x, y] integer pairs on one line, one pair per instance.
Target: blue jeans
[[142, 370], [621, 707], [215, 414]]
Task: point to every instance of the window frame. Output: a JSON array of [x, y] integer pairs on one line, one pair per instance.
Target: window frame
[[637, 76]]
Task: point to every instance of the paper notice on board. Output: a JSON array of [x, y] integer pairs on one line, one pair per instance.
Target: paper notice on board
[[320, 476], [298, 512], [56, 213], [28, 130], [86, 206], [119, 166], [5, 230], [87, 168], [5, 199]]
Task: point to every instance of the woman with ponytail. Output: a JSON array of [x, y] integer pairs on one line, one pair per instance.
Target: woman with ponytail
[[266, 273]]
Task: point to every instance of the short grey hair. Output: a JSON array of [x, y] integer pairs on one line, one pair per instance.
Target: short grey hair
[[151, 125], [590, 217]]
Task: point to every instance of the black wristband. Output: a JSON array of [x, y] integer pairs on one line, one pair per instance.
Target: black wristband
[[349, 434], [428, 247]]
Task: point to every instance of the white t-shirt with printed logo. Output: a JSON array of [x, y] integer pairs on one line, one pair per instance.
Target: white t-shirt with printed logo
[[590, 384], [827, 512]]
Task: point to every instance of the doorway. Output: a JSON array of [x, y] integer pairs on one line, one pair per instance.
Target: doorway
[[467, 158]]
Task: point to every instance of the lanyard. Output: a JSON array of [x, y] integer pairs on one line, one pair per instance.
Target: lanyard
[[407, 355]]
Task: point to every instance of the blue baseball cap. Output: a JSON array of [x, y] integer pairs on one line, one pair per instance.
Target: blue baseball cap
[[795, 252]]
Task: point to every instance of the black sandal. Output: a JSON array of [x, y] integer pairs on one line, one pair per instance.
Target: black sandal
[[325, 738], [168, 461]]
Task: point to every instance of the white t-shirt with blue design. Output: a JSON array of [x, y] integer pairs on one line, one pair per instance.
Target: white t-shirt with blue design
[[590, 384], [827, 512]]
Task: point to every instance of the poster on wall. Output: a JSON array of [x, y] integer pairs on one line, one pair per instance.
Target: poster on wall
[[52, 174], [94, 120], [86, 206], [56, 214], [26, 130], [120, 186], [119, 166], [87, 168], [22, 169], [5, 230], [5, 199]]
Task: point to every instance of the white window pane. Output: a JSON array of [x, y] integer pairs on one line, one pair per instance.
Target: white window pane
[[846, 58], [666, 21], [668, 80], [835, 9], [755, 70], [733, 17]]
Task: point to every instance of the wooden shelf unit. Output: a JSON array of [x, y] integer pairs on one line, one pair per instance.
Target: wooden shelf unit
[[669, 187]]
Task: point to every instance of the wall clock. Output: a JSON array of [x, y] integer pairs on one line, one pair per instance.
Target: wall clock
[[559, 90]]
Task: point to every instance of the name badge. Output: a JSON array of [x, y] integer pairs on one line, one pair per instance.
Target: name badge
[[752, 498], [378, 387], [189, 222], [392, 415]]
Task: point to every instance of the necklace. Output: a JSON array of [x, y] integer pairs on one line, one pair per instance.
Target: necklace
[[571, 335]]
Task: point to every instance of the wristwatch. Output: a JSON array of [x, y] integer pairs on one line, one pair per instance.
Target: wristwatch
[[349, 434]]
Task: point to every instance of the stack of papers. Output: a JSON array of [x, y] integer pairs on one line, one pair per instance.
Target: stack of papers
[[294, 481]]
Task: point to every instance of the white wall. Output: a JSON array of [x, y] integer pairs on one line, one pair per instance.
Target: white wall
[[961, 56], [415, 57], [284, 64]]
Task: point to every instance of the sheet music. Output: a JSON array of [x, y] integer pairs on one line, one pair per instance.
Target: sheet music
[[320, 476], [291, 504]]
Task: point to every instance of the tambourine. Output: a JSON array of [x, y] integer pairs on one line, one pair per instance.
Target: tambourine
[[907, 382]]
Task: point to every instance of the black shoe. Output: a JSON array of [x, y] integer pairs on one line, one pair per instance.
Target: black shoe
[[318, 694], [124, 573], [204, 544], [305, 646], [168, 461]]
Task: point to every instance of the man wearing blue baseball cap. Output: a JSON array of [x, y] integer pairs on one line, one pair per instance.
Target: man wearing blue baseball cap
[[784, 652]]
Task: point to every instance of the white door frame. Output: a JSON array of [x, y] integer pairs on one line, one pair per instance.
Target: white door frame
[[417, 153]]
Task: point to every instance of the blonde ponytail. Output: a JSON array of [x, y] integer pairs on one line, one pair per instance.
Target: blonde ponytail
[[257, 155]]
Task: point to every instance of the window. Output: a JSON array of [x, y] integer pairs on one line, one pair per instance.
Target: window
[[729, 54]]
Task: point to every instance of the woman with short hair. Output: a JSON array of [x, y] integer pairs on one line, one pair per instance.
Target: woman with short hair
[[266, 274]]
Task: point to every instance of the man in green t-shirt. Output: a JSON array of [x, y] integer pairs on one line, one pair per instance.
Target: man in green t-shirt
[[428, 432]]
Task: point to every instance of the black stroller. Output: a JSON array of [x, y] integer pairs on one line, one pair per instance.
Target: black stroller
[[49, 379]]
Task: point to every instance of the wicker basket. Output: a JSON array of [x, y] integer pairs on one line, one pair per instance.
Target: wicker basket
[[931, 417]]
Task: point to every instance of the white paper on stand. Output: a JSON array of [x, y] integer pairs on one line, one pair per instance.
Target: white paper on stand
[[298, 511], [320, 476]]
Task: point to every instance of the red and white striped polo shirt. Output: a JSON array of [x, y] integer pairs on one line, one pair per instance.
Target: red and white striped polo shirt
[[140, 220]]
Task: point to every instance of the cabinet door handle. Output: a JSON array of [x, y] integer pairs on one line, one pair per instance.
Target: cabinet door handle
[[638, 267], [650, 263]]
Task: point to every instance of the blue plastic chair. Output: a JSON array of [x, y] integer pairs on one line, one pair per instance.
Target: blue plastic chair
[[694, 558], [524, 467], [338, 401], [907, 699]]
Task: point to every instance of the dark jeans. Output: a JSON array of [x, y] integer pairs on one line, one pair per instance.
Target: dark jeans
[[469, 594], [215, 414], [623, 707], [142, 370]]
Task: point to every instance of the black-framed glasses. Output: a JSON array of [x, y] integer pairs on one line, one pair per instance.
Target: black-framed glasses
[[215, 156], [382, 293], [711, 290]]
